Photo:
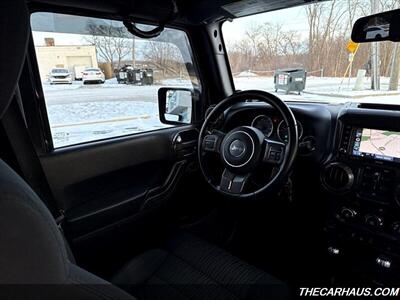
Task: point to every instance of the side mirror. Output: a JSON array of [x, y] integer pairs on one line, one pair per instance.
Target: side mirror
[[380, 27], [175, 105]]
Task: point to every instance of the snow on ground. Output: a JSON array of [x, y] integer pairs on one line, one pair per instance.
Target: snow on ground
[[177, 82], [86, 132], [246, 74], [80, 113], [70, 113], [325, 89]]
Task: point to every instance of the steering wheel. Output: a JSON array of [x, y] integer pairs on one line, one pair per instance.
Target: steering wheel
[[245, 149]]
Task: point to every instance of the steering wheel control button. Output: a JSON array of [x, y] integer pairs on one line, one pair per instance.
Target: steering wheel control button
[[237, 148], [210, 143], [274, 152]]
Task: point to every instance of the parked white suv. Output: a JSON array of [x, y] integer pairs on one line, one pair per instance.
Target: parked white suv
[[93, 75], [60, 75]]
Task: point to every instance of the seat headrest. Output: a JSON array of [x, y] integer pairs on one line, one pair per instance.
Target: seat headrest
[[14, 36]]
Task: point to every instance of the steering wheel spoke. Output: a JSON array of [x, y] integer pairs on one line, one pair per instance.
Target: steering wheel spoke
[[233, 183], [212, 142], [274, 152]]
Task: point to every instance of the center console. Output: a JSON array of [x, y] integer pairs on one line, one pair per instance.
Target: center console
[[362, 181]]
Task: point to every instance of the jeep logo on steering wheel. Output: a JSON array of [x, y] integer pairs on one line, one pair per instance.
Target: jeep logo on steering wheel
[[237, 148]]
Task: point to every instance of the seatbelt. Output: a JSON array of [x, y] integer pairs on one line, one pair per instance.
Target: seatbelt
[[20, 140]]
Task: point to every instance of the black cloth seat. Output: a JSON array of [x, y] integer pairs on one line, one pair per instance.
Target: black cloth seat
[[33, 251], [190, 268]]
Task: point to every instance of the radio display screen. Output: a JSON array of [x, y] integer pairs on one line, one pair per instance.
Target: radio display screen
[[377, 144]]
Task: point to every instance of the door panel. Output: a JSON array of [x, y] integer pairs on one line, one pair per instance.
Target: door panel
[[73, 165], [101, 184], [114, 193]]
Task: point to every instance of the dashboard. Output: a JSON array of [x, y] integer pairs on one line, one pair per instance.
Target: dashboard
[[356, 150], [314, 122], [362, 180], [274, 125]]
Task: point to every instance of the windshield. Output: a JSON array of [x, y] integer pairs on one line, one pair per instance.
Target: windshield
[[305, 54]]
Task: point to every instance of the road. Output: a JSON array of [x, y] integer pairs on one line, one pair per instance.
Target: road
[[78, 93]]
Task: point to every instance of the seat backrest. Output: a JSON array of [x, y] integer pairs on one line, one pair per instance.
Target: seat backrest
[[32, 249]]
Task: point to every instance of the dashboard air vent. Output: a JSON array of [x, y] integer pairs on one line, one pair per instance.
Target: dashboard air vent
[[337, 177]]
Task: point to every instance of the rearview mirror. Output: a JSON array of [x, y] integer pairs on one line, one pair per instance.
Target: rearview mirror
[[379, 27], [175, 105]]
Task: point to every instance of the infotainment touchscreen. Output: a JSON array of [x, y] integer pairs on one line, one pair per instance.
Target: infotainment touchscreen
[[378, 144]]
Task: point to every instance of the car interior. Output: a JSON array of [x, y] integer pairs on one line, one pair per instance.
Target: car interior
[[240, 196]]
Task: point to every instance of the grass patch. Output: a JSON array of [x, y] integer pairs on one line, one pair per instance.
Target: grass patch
[[388, 133], [365, 138]]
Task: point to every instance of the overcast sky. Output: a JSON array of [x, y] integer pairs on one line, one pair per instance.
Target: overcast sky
[[291, 19]]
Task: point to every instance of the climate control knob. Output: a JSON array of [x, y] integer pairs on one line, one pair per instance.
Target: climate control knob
[[348, 213], [374, 221]]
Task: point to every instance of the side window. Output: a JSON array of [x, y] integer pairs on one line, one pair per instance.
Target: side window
[[99, 81]]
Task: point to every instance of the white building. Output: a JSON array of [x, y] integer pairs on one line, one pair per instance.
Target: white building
[[70, 57]]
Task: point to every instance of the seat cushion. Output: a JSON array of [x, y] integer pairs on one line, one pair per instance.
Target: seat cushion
[[190, 268]]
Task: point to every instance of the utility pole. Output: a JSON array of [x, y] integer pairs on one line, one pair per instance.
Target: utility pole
[[351, 59], [133, 52], [375, 55], [394, 69]]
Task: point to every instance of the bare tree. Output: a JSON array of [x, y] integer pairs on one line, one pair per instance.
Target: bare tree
[[112, 43], [164, 56], [253, 35], [269, 46], [392, 51], [265, 47]]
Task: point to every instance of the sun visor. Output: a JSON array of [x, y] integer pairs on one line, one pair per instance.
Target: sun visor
[[244, 8]]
